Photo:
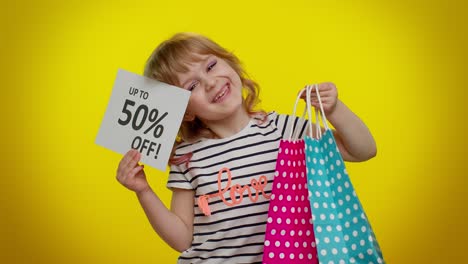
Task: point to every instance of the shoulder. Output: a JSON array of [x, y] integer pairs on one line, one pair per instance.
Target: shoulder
[[280, 120], [268, 118], [186, 147], [286, 124]]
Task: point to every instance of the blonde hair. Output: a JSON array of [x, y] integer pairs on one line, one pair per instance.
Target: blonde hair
[[171, 57]]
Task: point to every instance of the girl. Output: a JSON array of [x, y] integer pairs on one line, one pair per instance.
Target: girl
[[224, 161]]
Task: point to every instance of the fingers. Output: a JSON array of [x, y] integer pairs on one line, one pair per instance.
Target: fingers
[[324, 97], [328, 96], [323, 94], [131, 157], [324, 90], [328, 101], [324, 100], [322, 87], [128, 162], [303, 94], [135, 171]]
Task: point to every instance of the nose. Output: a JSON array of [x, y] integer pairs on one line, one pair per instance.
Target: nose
[[210, 82]]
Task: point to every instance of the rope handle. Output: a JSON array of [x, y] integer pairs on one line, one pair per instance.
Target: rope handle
[[293, 135]]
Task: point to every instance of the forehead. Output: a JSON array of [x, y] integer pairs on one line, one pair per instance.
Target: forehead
[[193, 60], [188, 66]]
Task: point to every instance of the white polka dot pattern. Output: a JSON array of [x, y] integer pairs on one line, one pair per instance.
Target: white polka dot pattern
[[342, 231], [289, 236]]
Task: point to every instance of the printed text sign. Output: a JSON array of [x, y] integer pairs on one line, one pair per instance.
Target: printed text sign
[[143, 114]]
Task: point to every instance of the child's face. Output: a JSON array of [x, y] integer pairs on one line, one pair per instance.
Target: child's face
[[216, 89]]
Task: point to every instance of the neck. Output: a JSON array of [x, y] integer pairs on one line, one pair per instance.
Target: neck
[[229, 126]]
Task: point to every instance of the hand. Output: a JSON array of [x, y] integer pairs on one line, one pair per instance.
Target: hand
[[328, 96], [130, 174]]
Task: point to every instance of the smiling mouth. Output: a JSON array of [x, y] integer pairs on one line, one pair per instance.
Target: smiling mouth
[[222, 94]]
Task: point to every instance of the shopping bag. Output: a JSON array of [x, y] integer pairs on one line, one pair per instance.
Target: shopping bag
[[343, 233], [289, 236]]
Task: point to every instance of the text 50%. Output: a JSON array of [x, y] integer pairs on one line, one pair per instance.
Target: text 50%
[[138, 122]]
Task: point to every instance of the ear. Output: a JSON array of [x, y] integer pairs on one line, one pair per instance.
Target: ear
[[189, 116]]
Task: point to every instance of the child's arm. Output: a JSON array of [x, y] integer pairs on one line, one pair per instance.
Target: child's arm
[[174, 226], [353, 138]]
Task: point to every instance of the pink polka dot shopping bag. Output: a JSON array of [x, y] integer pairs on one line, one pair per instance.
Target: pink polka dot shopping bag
[[289, 236], [342, 231]]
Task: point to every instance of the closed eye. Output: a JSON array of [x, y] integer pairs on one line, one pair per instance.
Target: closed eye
[[211, 65], [192, 86]]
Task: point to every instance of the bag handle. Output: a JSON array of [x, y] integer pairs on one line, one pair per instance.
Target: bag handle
[[318, 115], [294, 136], [321, 114]]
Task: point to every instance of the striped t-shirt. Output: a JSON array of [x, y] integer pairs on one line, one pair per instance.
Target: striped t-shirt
[[243, 163]]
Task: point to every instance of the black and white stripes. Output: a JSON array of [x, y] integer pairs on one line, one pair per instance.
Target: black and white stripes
[[235, 230]]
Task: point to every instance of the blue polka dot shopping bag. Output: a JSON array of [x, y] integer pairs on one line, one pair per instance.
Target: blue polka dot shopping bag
[[342, 231]]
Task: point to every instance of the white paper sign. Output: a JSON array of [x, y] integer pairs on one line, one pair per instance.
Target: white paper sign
[[143, 114]]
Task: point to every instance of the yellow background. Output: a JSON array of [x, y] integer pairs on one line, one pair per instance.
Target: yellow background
[[400, 65]]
